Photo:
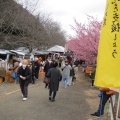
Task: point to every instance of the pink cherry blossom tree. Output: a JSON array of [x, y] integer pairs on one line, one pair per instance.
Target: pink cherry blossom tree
[[85, 44]]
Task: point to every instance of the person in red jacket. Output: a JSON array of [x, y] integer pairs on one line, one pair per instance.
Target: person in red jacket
[[105, 94], [69, 59]]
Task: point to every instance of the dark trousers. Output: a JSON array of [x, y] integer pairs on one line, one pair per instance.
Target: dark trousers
[[33, 79], [36, 74], [59, 64], [92, 82], [24, 88], [73, 79], [52, 94], [103, 99]]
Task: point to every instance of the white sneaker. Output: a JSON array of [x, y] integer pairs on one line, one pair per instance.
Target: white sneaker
[[24, 99]]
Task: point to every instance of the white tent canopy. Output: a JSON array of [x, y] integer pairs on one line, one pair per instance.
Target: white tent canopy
[[56, 48]]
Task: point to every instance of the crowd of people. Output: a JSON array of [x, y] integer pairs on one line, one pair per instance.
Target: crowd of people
[[65, 71], [26, 72]]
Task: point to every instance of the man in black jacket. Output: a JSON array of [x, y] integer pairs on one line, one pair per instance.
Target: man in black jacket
[[55, 77], [37, 67], [24, 74]]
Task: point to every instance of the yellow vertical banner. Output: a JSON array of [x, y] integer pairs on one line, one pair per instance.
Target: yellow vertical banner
[[108, 59]]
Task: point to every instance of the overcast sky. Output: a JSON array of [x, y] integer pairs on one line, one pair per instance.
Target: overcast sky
[[64, 11]]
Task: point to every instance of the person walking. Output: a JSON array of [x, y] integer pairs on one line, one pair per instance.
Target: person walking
[[48, 65], [36, 68], [15, 69], [65, 74], [33, 72], [60, 62], [55, 77], [24, 74], [75, 73], [92, 75], [72, 73]]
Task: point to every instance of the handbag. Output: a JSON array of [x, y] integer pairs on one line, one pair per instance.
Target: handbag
[[46, 80], [13, 75]]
